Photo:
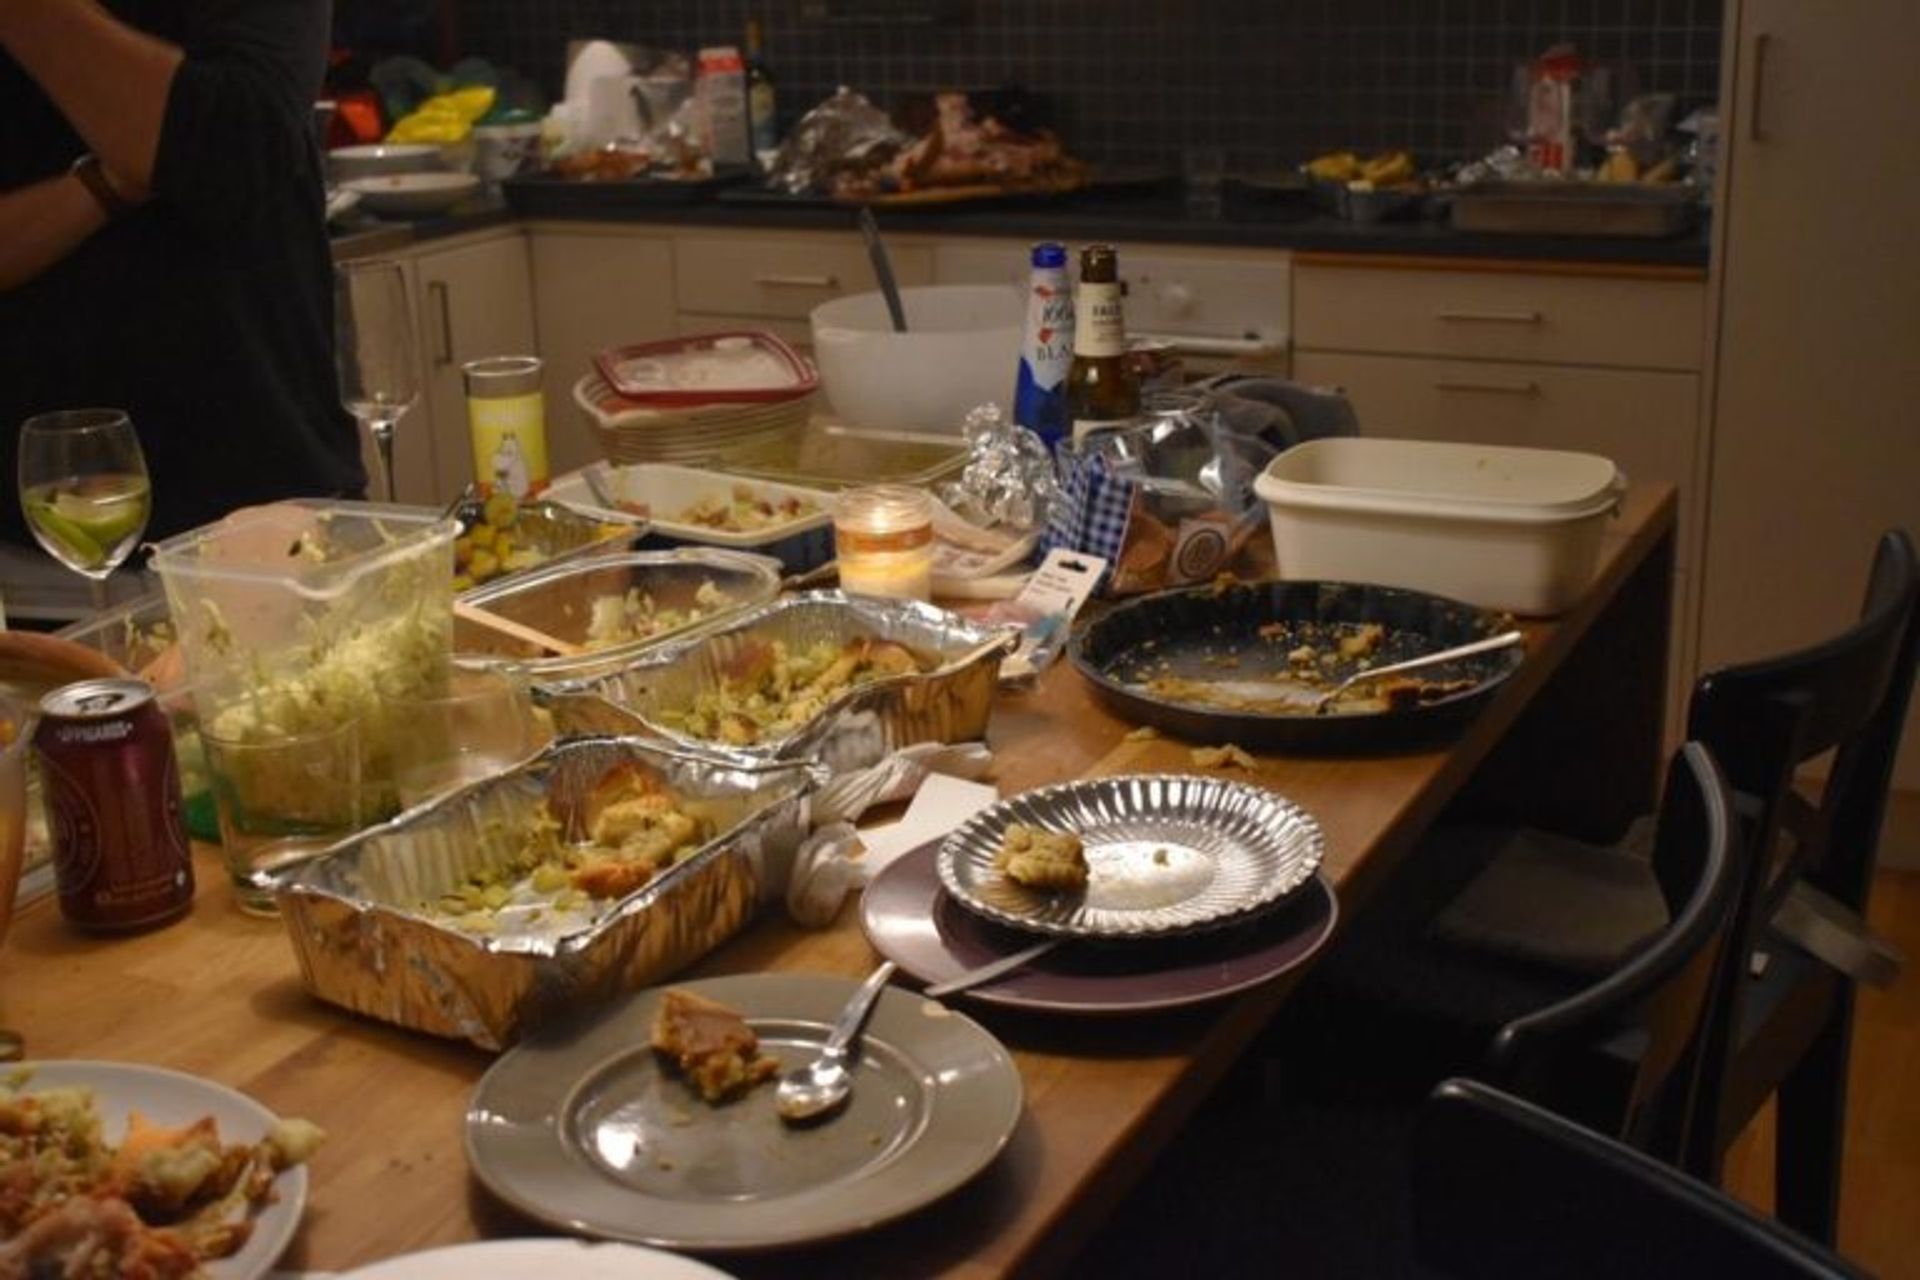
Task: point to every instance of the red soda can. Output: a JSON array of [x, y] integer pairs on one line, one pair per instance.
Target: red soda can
[[112, 792]]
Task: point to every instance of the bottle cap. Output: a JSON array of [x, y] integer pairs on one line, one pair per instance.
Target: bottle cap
[[1049, 253]]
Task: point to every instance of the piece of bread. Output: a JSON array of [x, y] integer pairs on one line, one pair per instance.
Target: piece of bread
[[1042, 859], [711, 1045]]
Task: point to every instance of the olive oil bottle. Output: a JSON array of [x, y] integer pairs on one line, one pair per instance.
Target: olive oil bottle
[[1101, 387]]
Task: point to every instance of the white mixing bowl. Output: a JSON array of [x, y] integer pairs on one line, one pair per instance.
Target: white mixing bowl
[[961, 350]]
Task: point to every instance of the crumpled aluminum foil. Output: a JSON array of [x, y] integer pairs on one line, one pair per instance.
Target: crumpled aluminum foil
[[1009, 478], [845, 133]]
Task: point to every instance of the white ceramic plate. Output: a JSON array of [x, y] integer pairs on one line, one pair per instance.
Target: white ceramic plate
[[171, 1098], [519, 1259], [412, 195]]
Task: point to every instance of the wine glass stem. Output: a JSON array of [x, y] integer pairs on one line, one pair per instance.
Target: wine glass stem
[[382, 429], [97, 588]]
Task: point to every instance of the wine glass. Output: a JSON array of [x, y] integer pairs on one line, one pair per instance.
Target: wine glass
[[84, 489], [373, 333]]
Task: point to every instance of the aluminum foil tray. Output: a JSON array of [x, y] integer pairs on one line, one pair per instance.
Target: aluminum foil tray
[[557, 600], [950, 703], [357, 918], [558, 531], [1166, 854]]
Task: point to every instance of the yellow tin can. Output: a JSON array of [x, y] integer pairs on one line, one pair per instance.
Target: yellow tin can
[[507, 416]]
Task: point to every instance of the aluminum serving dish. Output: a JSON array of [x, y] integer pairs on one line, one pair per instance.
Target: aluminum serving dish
[[557, 531], [557, 600], [950, 703], [1166, 854], [364, 940]]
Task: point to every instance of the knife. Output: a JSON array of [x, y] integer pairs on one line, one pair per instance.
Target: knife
[[989, 971]]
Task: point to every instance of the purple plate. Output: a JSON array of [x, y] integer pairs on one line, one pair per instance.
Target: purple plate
[[912, 921]]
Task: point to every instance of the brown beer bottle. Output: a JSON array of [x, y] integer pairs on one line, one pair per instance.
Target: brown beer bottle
[[1101, 388]]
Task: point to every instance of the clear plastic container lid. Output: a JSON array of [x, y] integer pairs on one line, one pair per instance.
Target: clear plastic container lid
[[746, 367]]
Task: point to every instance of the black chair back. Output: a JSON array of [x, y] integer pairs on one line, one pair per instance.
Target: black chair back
[[1662, 992], [1503, 1188], [1847, 695]]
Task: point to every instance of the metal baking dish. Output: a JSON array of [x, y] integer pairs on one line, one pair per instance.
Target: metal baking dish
[[558, 531], [557, 601], [950, 703], [354, 912], [830, 457], [1575, 209]]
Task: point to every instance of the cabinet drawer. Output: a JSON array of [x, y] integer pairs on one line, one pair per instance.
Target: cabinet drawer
[[1646, 422], [785, 276], [1591, 320]]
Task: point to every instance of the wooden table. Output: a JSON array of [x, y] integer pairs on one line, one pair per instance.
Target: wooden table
[[1573, 740]]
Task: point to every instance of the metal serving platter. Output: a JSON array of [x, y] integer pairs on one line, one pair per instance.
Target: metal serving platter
[[863, 724], [361, 924], [1244, 632], [1166, 854]]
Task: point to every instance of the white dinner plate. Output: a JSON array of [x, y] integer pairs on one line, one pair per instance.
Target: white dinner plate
[[171, 1099], [521, 1259], [412, 195]]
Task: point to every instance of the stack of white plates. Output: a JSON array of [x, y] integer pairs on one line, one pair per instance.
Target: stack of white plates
[[630, 432]]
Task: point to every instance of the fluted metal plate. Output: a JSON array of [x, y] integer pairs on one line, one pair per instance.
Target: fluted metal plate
[[1166, 854]]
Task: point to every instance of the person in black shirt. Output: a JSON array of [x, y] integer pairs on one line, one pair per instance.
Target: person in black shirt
[[163, 245]]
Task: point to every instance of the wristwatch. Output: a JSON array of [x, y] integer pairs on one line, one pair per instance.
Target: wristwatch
[[94, 179]]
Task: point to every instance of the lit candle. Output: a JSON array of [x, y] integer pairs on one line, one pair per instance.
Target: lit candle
[[883, 537]]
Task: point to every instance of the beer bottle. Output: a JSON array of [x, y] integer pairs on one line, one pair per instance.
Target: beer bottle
[[1046, 349], [1100, 386]]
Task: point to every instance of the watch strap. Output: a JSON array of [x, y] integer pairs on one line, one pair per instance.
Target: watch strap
[[94, 179]]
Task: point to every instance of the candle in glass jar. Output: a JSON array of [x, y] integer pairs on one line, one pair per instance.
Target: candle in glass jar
[[883, 538]]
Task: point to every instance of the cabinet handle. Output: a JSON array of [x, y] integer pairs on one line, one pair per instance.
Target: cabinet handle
[[1527, 388], [1491, 317], [799, 282], [437, 290], [1761, 43]]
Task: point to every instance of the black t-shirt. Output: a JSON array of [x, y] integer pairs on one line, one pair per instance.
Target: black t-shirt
[[207, 313]]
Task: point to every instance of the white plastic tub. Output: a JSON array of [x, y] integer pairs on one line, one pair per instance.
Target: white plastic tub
[[1504, 528]]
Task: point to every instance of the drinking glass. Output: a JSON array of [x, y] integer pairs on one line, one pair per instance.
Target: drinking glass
[[84, 489], [480, 725], [282, 799], [373, 342]]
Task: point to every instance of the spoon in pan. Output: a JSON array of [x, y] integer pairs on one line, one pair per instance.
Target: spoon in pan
[[821, 1086]]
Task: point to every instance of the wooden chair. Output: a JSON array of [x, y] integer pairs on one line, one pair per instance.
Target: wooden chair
[[1503, 1188]]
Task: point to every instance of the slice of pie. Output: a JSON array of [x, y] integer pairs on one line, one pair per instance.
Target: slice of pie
[[1042, 859], [711, 1045]]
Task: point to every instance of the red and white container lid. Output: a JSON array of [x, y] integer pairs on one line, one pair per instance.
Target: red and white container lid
[[736, 367]]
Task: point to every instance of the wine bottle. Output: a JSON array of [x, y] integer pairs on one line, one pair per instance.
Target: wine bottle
[[761, 102], [1046, 349], [1100, 384]]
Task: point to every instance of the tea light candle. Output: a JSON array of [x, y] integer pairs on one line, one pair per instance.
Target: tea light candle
[[883, 537]]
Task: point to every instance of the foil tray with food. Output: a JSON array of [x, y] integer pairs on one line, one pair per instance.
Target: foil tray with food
[[822, 675], [501, 537], [595, 615], [598, 866]]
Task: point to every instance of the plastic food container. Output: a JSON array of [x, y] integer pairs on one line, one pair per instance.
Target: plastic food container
[[800, 536], [830, 457], [298, 615], [737, 367], [1504, 528], [960, 344]]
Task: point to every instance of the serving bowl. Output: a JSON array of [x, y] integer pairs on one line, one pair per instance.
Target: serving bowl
[[960, 351], [374, 160], [412, 195]]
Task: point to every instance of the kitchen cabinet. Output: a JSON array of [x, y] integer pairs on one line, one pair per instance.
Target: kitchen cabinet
[[1553, 359], [595, 286], [1816, 288]]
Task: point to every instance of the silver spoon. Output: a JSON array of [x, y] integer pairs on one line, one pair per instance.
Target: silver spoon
[[808, 1092]]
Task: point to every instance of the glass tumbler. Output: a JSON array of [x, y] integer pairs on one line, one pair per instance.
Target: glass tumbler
[[280, 800], [480, 725]]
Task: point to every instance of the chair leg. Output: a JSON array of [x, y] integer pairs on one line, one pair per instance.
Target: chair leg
[[1812, 1129]]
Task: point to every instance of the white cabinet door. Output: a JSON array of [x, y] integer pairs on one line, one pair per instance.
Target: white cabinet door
[[594, 287], [1816, 431], [476, 300]]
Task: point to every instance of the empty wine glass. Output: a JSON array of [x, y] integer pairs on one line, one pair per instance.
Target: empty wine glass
[[373, 337], [84, 489]]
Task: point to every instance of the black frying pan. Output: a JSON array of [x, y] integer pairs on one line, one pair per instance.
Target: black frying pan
[[1245, 632]]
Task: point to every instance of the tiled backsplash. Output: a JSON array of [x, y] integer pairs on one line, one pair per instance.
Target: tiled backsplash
[[1272, 81]]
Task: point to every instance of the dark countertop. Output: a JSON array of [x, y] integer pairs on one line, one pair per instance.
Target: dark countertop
[[1140, 218]]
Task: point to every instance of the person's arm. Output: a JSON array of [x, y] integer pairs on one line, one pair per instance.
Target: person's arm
[[109, 80], [41, 223]]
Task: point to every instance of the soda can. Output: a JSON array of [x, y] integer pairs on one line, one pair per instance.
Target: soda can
[[111, 787]]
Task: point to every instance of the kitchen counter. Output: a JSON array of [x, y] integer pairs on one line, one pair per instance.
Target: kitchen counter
[[1129, 217]]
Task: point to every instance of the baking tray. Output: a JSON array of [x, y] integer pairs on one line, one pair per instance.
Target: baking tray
[[557, 600], [553, 195], [830, 457], [950, 703], [1215, 633], [1624, 209], [363, 943]]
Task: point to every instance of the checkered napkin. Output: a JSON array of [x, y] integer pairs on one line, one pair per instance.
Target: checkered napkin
[[1092, 517]]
